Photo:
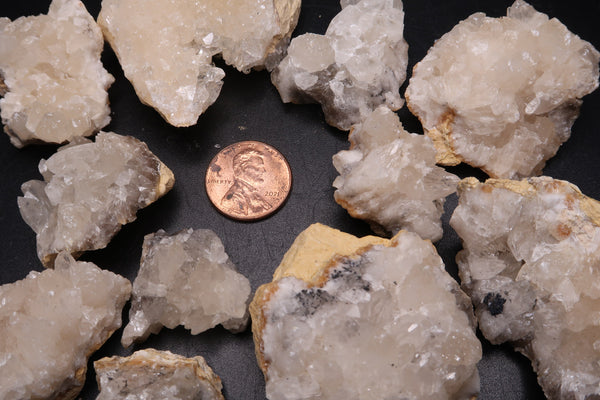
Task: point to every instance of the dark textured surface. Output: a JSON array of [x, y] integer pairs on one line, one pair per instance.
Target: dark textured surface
[[249, 108]]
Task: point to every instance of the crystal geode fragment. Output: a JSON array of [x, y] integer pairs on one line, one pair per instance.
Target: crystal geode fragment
[[51, 76], [502, 94], [51, 322], [186, 279], [389, 178], [369, 318], [531, 264], [166, 47], [356, 66], [156, 375], [89, 191]]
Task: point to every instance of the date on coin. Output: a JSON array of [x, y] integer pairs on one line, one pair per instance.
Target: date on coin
[[248, 180]]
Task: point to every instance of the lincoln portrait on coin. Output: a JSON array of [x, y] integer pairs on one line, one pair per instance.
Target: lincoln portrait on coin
[[243, 196]]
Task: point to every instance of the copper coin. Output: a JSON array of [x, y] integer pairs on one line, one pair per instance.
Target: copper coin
[[248, 180]]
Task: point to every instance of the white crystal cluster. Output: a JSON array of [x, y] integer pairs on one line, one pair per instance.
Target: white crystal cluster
[[501, 94], [51, 76], [166, 47], [89, 191], [186, 279], [531, 263], [389, 178], [50, 323], [356, 66], [156, 375], [384, 321]]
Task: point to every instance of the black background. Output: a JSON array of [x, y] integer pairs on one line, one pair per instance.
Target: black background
[[249, 108]]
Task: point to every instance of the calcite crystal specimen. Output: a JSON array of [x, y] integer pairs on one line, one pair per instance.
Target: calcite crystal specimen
[[356, 66], [186, 279], [51, 76], [389, 178], [502, 94], [365, 319], [156, 375], [51, 322], [531, 264], [166, 47], [89, 191]]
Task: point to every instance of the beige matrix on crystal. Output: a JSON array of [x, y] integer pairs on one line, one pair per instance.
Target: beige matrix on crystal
[[502, 94], [89, 191], [368, 318], [356, 66], [51, 76], [51, 322], [389, 178], [166, 47], [186, 279], [531, 264]]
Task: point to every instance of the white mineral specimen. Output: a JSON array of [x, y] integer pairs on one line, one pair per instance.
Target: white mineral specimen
[[166, 47], [89, 191], [186, 279], [389, 178], [370, 318], [531, 264], [156, 375], [501, 94], [356, 66], [51, 322], [51, 76]]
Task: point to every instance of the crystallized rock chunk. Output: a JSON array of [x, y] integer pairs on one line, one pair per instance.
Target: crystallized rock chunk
[[51, 322], [186, 279], [370, 318], [156, 375], [531, 264], [389, 178], [356, 66], [51, 76], [89, 191], [166, 47], [502, 94]]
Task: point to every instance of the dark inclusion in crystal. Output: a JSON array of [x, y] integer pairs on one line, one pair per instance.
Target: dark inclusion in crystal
[[494, 303]]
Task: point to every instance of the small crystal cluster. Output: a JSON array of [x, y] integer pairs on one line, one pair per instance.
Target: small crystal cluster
[[51, 76], [531, 264], [389, 178], [356, 66], [502, 94]]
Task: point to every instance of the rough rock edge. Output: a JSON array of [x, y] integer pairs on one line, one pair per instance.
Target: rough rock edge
[[287, 11]]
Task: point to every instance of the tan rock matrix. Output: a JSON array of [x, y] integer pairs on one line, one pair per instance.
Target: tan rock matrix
[[502, 94], [531, 264]]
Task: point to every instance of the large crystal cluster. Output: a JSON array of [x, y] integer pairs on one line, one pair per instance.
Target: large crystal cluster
[[501, 94], [531, 264], [156, 375], [51, 76], [89, 191], [370, 318], [356, 66], [389, 177], [166, 47], [186, 279], [51, 322]]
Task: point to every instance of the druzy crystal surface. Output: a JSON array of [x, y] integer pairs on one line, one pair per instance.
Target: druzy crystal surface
[[502, 94], [186, 279], [531, 264], [51, 322], [156, 375], [364, 319], [389, 178], [356, 66], [51, 76], [89, 191], [166, 47]]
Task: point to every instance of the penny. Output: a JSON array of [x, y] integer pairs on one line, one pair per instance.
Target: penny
[[248, 180]]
